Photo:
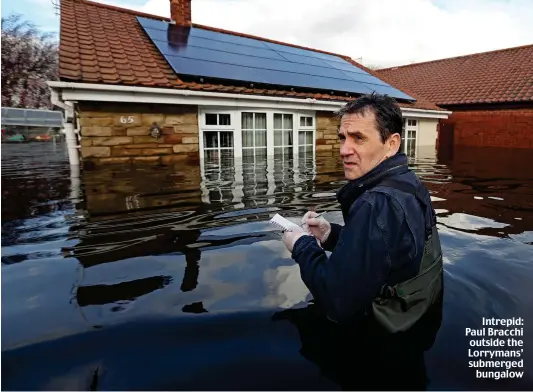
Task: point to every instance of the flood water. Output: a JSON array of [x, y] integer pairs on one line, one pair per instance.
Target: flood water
[[172, 278]]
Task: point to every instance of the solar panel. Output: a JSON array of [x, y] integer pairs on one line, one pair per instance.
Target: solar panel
[[203, 53]]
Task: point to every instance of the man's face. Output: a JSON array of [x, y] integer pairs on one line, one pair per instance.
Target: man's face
[[361, 147]]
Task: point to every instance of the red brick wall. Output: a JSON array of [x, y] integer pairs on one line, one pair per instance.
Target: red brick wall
[[494, 128]]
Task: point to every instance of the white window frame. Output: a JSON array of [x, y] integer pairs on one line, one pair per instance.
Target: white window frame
[[294, 146], [203, 127], [302, 127], [406, 130], [203, 119], [254, 148], [236, 128], [307, 128]]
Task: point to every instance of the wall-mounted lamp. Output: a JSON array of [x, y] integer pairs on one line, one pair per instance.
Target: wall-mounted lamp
[[155, 130]]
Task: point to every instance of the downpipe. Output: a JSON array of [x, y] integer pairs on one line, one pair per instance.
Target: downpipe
[[72, 144], [70, 133]]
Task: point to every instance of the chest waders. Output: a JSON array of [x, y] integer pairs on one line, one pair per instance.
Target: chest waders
[[399, 307]]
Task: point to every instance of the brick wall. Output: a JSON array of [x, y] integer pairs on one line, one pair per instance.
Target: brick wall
[[327, 140], [493, 128], [120, 133]]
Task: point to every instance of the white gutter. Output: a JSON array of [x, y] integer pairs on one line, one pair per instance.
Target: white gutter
[[425, 113], [135, 94]]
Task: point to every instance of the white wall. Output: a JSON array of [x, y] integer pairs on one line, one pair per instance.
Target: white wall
[[427, 132]]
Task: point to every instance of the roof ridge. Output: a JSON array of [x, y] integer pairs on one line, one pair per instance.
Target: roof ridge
[[455, 57], [217, 29], [246, 35], [120, 9]]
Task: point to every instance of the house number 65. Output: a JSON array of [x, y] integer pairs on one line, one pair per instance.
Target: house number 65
[[127, 120]]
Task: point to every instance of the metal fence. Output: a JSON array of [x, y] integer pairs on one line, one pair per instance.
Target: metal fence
[[32, 118]]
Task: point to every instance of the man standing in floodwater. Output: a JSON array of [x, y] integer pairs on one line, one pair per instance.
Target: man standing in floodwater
[[386, 261]]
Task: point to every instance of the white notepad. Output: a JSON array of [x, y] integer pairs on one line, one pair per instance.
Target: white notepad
[[283, 223]]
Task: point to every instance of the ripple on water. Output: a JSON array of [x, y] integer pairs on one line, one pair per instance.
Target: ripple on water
[[179, 264]]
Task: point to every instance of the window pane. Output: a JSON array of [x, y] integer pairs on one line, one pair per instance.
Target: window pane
[[224, 119], [247, 138], [210, 139], [305, 150], [261, 153], [287, 138], [226, 139], [305, 137], [210, 119], [302, 121], [260, 138], [283, 151], [247, 152], [260, 121], [277, 138], [309, 121], [277, 121], [411, 135], [309, 137], [248, 157], [226, 156], [247, 121], [287, 121], [211, 155]]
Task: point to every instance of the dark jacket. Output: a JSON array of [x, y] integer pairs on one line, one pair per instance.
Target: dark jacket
[[382, 242]]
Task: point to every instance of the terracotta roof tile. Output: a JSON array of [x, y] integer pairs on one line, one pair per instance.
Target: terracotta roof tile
[[498, 76], [106, 44], [74, 73]]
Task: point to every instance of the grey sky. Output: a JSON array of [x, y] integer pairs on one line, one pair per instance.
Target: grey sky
[[381, 32]]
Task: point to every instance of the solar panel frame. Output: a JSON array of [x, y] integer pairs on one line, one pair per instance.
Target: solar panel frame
[[203, 53]]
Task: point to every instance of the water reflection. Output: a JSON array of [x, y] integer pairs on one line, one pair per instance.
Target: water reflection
[[179, 263]]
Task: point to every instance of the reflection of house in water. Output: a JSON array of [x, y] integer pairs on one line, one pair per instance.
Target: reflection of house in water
[[256, 181], [130, 217], [489, 191]]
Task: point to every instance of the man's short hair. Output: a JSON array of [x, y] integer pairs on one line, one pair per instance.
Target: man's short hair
[[386, 110]]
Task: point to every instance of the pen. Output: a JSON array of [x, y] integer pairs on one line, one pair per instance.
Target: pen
[[314, 217]]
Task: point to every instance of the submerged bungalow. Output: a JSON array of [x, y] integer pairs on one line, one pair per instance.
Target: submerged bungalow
[[138, 88]]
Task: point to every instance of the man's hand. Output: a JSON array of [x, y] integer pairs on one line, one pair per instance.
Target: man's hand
[[290, 237], [319, 227]]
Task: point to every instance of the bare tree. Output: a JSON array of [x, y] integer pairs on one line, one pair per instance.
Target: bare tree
[[29, 60]]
